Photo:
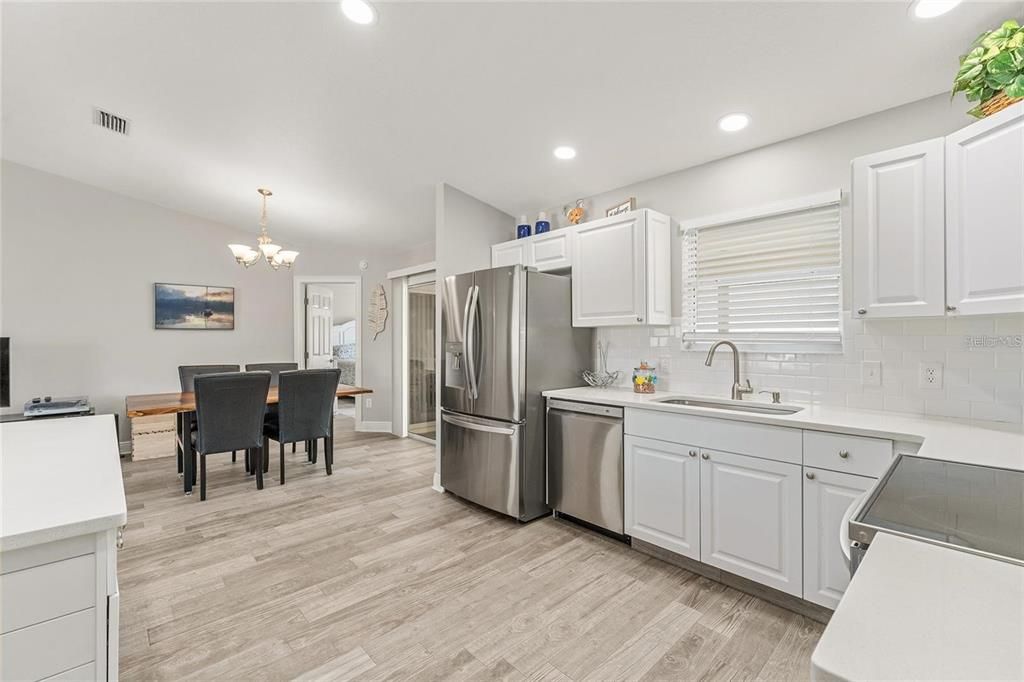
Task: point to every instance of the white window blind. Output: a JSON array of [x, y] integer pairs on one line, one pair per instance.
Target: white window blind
[[768, 282]]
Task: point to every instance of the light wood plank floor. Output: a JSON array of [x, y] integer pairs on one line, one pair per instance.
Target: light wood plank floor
[[370, 574]]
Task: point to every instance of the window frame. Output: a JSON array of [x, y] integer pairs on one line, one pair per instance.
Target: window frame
[[808, 202]]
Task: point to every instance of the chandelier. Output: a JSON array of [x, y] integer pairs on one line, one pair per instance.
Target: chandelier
[[275, 256]]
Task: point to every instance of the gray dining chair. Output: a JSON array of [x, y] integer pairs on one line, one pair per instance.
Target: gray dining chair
[[305, 413], [187, 376], [229, 414], [275, 369]]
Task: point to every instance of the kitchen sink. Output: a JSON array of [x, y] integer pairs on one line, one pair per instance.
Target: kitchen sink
[[732, 405]]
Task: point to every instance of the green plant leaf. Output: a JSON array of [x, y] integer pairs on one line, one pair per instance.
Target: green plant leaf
[[964, 80], [1016, 89], [1010, 24], [1016, 41], [1002, 63]]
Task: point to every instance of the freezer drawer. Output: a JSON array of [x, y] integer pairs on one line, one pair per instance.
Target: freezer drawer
[[480, 461], [585, 463]]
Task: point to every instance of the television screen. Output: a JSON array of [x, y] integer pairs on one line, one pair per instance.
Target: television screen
[[5, 372]]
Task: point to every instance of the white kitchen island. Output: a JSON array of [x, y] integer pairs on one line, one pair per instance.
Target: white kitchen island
[[62, 506]]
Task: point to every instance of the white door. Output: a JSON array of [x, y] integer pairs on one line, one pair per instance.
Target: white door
[[827, 496], [662, 494], [509, 253], [750, 518], [608, 274], [985, 215], [319, 319], [899, 232]]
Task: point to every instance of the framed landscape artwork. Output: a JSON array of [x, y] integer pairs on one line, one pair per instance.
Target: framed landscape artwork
[[194, 306]]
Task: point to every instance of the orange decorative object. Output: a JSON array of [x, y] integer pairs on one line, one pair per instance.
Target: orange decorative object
[[575, 214]]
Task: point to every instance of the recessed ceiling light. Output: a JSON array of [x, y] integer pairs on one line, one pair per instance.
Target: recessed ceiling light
[[359, 11], [734, 122], [929, 9], [565, 153]]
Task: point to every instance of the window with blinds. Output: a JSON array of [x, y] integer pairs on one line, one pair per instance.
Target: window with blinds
[[768, 281]]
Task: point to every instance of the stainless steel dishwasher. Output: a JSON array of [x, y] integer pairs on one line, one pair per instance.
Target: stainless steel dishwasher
[[584, 453]]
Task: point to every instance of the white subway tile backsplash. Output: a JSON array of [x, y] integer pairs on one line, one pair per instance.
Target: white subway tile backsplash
[[978, 382]]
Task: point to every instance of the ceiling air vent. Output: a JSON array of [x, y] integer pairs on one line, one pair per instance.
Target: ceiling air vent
[[112, 122]]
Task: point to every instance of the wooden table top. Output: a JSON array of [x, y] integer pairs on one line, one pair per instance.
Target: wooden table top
[[169, 403]]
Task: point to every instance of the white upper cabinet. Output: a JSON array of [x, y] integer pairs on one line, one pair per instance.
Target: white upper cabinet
[[750, 515], [827, 497], [662, 496], [546, 251], [985, 215], [508, 253], [898, 232], [621, 271]]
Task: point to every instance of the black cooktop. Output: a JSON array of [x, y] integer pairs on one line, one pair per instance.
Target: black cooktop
[[971, 507]]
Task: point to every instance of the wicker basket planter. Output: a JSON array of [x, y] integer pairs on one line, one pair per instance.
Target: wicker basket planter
[[996, 104]]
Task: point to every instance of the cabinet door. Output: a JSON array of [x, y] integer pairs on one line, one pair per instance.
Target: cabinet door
[[659, 268], [985, 215], [608, 277], [662, 494], [750, 518], [827, 496], [898, 232], [550, 251], [509, 253]]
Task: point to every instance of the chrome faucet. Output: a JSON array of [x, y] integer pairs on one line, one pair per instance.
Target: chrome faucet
[[738, 389]]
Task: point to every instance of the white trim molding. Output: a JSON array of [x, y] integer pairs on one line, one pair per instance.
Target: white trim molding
[[373, 427], [437, 482], [412, 270]]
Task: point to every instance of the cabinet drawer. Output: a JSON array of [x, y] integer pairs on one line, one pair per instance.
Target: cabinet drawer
[[851, 454], [770, 442], [46, 649], [40, 593]]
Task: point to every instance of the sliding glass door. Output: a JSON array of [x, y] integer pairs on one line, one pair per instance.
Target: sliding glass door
[[422, 407]]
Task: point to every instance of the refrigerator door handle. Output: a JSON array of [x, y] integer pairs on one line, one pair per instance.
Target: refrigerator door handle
[[477, 426], [472, 299]]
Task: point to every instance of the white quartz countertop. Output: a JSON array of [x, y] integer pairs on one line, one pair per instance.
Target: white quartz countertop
[[916, 611], [59, 478], [985, 443]]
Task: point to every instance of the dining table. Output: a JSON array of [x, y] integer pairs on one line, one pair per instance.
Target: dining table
[[183, 405]]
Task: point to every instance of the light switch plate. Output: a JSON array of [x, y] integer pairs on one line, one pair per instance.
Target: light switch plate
[[871, 373], [929, 375], [367, 403]]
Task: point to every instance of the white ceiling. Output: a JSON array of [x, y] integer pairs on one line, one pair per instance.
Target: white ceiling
[[352, 126]]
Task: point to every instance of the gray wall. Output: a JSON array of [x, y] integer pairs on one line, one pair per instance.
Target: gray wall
[[465, 228], [77, 269], [793, 168]]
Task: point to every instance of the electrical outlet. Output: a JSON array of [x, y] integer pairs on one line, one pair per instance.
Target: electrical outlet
[[367, 403], [929, 375], [871, 373]]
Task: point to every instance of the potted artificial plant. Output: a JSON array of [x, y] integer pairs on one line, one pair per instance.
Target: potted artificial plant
[[992, 71]]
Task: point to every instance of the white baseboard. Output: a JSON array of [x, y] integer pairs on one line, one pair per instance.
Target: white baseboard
[[437, 482], [374, 427]]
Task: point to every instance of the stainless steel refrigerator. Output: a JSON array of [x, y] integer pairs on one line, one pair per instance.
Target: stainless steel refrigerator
[[507, 336]]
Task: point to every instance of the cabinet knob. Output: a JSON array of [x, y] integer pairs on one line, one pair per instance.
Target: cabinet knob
[[693, 453], [810, 475], [120, 537], [950, 308], [862, 311], [705, 455], [639, 319], [843, 454]]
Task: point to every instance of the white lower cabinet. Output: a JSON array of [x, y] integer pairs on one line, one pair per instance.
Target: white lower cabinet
[[662, 482], [827, 496], [750, 517]]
